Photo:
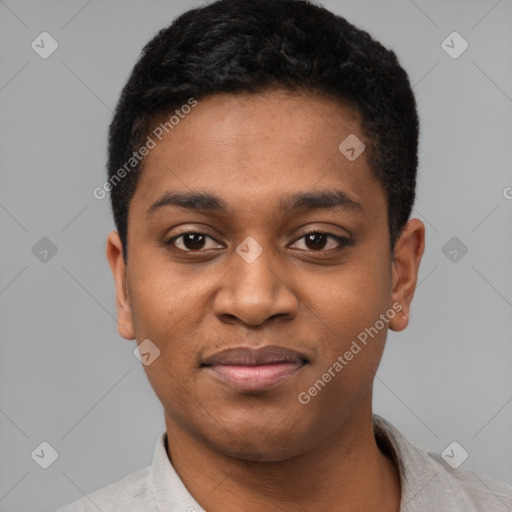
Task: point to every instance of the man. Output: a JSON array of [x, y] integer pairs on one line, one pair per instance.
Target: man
[[262, 171]]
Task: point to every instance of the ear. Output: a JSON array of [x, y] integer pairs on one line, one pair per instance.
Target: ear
[[407, 256], [118, 267]]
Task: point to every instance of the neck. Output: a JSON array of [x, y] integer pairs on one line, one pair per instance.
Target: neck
[[346, 468]]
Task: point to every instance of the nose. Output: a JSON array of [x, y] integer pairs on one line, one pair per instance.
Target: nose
[[254, 291]]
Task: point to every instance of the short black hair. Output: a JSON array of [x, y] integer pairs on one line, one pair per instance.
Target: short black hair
[[254, 46]]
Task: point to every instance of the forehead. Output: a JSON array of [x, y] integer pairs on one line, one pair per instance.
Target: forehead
[[260, 148]]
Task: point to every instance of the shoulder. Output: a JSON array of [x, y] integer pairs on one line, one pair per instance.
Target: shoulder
[[480, 491], [131, 493], [429, 482]]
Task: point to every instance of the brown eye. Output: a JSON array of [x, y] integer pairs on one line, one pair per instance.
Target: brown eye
[[318, 241], [189, 242], [193, 241]]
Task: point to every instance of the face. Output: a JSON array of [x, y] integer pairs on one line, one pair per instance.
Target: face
[[258, 254]]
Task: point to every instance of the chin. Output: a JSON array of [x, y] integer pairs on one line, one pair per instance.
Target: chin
[[259, 443], [258, 452]]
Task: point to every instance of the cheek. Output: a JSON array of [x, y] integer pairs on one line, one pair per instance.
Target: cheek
[[350, 304], [163, 297], [169, 306]]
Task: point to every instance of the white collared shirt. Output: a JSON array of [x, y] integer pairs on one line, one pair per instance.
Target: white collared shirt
[[428, 484]]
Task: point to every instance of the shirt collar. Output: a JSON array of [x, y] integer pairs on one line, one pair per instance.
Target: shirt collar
[[427, 482], [417, 473], [422, 478], [169, 491]]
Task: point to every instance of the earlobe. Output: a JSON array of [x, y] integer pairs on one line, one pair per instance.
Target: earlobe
[[114, 251], [407, 258]]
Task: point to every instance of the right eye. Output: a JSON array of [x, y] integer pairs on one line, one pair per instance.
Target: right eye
[[191, 242]]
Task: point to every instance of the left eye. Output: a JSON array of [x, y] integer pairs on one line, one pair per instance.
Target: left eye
[[317, 241]]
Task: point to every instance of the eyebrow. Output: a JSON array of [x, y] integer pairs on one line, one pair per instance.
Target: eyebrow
[[201, 201]]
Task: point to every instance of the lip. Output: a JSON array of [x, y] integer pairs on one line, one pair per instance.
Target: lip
[[249, 369]]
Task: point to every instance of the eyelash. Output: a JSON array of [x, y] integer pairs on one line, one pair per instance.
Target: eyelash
[[342, 241]]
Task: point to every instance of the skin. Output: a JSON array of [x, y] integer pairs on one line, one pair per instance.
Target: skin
[[265, 450]]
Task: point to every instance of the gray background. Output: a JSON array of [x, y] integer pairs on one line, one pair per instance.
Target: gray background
[[68, 378]]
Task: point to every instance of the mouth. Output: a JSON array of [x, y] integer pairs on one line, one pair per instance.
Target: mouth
[[247, 369]]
